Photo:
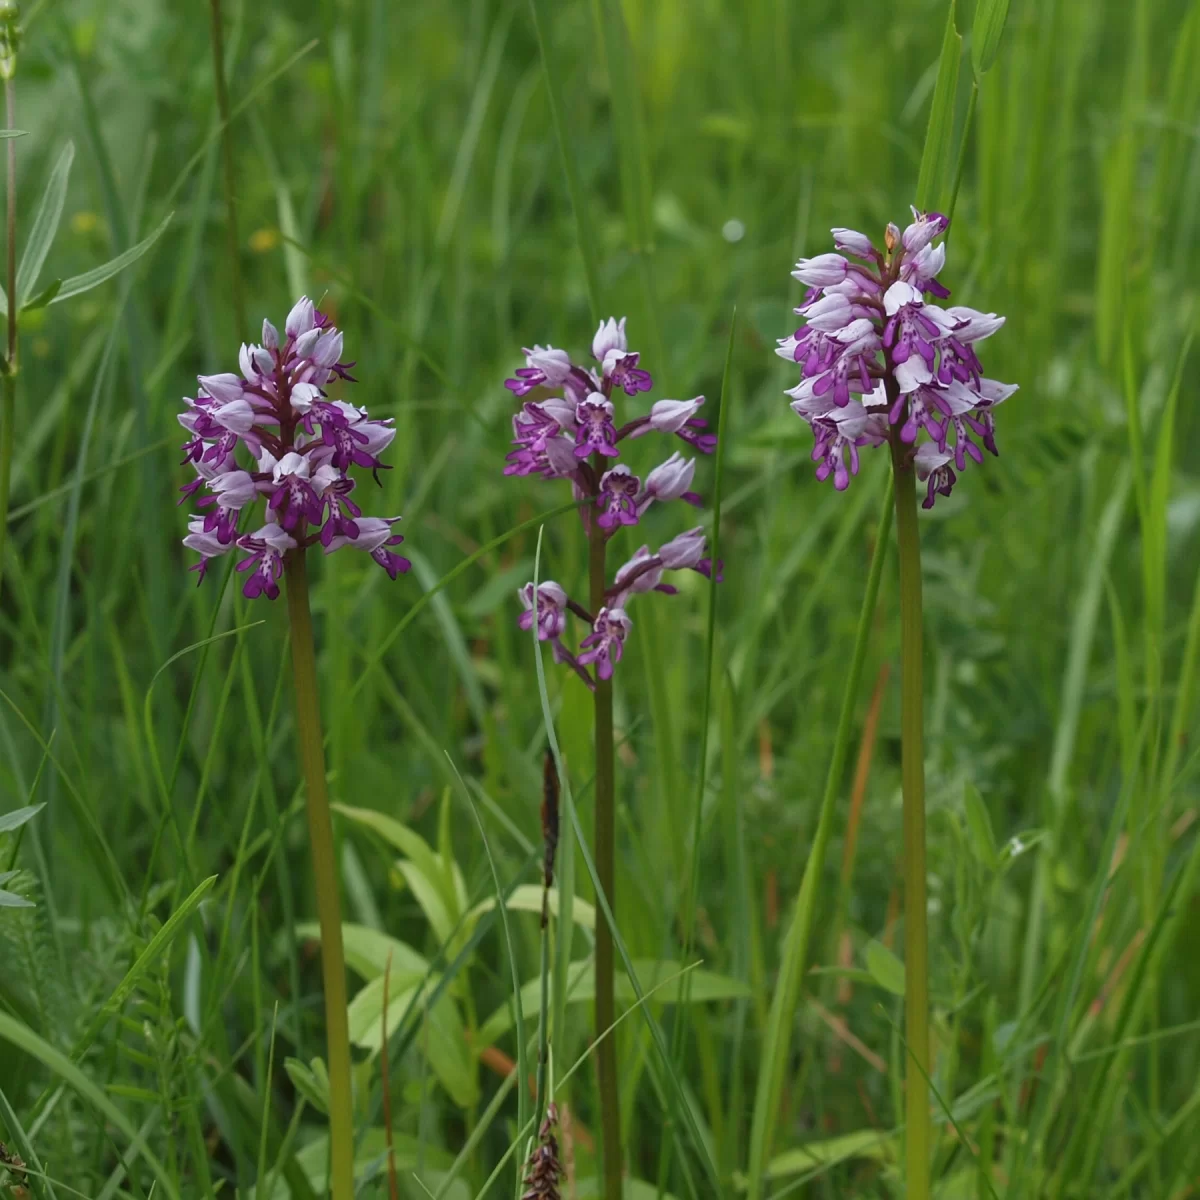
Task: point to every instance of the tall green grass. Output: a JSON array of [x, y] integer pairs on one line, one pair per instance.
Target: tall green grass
[[459, 180]]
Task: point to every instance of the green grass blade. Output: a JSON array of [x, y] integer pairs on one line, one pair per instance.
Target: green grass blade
[[932, 180], [25, 1039], [45, 225], [585, 232], [986, 30]]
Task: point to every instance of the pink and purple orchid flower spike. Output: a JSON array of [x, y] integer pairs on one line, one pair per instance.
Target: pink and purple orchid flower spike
[[302, 446], [570, 430], [876, 354]]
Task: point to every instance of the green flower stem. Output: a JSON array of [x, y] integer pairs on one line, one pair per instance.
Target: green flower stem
[[235, 267], [325, 877], [604, 850], [777, 1042], [8, 398], [918, 1133]]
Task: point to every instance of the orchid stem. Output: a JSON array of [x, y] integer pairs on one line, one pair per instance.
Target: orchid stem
[[604, 850], [325, 878], [918, 1135]]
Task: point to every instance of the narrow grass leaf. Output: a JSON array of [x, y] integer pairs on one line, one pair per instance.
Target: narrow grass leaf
[[939, 135], [24, 1039], [77, 284], [986, 31], [45, 225]]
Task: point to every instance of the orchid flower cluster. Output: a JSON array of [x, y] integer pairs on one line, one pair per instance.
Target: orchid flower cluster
[[870, 331], [303, 445], [570, 431]]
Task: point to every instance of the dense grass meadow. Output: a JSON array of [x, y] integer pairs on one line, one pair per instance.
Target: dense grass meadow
[[453, 181]]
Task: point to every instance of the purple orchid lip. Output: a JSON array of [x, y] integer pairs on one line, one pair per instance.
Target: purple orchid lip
[[303, 444], [573, 434], [879, 360]]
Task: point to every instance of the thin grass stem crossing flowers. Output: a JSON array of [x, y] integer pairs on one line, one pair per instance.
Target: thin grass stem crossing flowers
[[569, 428], [882, 364]]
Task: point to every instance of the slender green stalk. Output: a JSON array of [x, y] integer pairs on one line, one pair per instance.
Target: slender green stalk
[[918, 1130], [8, 388], [550, 827], [604, 850], [777, 1043], [231, 224], [325, 878]]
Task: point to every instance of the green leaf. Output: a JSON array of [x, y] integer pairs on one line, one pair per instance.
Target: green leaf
[[426, 890], [939, 136], [863, 1143], [314, 1088], [370, 1163], [90, 279], [885, 968], [528, 898], [367, 950], [706, 987], [631, 1189], [12, 900], [441, 1038], [15, 819], [424, 873], [45, 225], [990, 16], [22, 1037], [980, 825], [44, 297]]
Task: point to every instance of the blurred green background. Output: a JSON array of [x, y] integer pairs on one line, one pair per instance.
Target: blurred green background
[[401, 161]]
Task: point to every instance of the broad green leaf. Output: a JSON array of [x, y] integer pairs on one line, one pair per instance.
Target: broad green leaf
[[45, 225], [90, 279], [5, 876], [864, 1143], [980, 825], [990, 16], [885, 968], [705, 987], [939, 135], [631, 1189], [528, 898], [427, 862], [367, 950], [15, 819], [311, 1082], [429, 895], [12, 900], [370, 1162], [441, 1038]]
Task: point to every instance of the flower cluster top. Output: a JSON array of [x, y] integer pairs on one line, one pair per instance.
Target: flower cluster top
[[568, 428], [871, 332], [302, 444]]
